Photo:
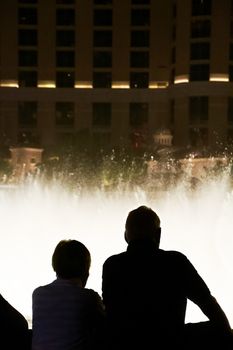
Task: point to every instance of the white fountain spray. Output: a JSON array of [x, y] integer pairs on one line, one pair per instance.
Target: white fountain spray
[[35, 217]]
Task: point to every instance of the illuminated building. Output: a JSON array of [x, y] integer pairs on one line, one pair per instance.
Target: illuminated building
[[99, 70]]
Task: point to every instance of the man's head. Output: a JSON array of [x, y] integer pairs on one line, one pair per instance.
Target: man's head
[[142, 223], [71, 259]]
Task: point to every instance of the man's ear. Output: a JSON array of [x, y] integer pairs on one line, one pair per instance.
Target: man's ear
[[125, 235]]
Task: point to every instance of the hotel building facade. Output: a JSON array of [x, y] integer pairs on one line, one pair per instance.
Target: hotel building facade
[[116, 72]]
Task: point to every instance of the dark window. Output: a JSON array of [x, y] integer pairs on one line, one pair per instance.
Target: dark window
[[27, 16], [138, 114], [102, 59], [199, 72], [200, 29], [172, 76], [231, 52], [65, 58], [102, 2], [102, 38], [139, 59], [102, 17], [65, 38], [230, 110], [65, 79], [65, 113], [27, 37], [102, 80], [27, 78], [27, 1], [140, 2], [27, 113], [140, 17], [140, 38], [200, 51], [139, 80], [65, 2], [198, 109], [65, 17], [198, 137], [231, 73], [102, 114], [201, 7], [27, 58]]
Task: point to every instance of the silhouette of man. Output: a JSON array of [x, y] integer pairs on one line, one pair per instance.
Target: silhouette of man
[[13, 327], [145, 291]]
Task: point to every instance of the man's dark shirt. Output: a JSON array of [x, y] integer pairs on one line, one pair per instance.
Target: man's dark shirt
[[145, 292]]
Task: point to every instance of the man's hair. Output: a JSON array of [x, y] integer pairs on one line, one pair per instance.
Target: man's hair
[[142, 223], [71, 259]]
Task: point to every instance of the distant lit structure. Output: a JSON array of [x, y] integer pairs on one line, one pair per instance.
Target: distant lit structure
[[24, 160], [96, 71]]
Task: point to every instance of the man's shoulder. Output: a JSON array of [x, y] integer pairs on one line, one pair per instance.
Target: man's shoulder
[[173, 255], [116, 258]]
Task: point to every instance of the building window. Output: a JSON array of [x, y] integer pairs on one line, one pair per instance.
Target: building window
[[140, 2], [102, 2], [102, 80], [102, 59], [201, 7], [102, 17], [138, 114], [65, 38], [198, 137], [198, 109], [230, 73], [27, 113], [199, 72], [65, 79], [200, 51], [231, 52], [139, 59], [101, 115], [27, 16], [27, 37], [27, 79], [27, 1], [139, 80], [140, 17], [140, 38], [65, 2], [102, 38], [27, 58], [200, 29], [65, 113], [230, 110], [65, 58], [65, 17]]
